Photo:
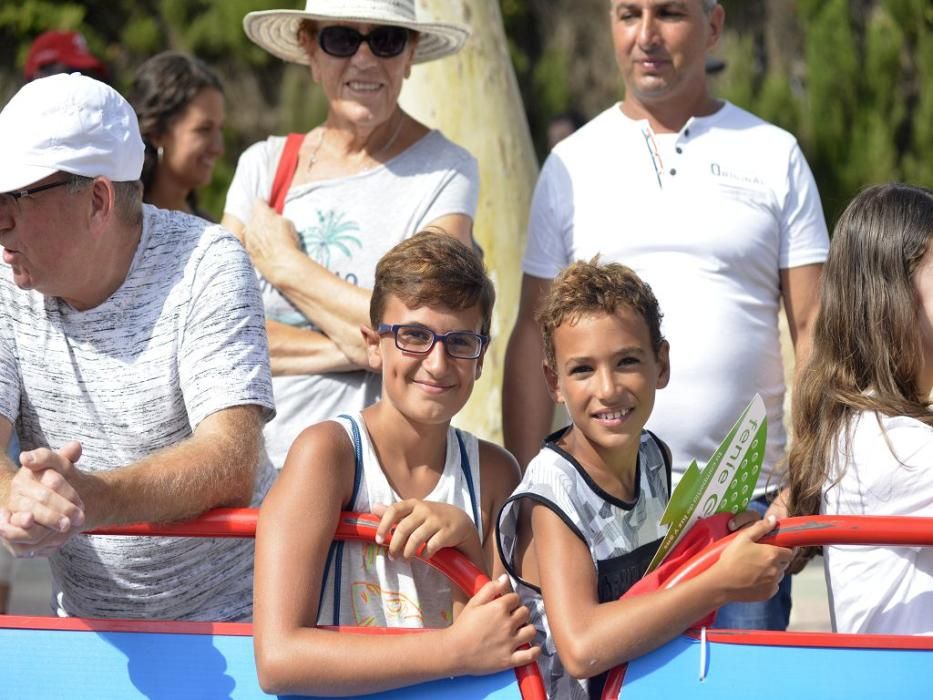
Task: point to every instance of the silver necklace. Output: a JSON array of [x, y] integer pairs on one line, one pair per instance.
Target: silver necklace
[[655, 154], [395, 133], [312, 157]]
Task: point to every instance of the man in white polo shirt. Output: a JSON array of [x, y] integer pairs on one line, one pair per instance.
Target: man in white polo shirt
[[133, 362], [716, 209]]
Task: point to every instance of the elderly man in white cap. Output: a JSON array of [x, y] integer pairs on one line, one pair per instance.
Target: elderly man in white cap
[[133, 362]]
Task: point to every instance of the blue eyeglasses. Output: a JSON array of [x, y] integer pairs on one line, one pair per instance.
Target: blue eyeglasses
[[420, 340]]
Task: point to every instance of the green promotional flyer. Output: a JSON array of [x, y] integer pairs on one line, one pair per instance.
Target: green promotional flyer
[[725, 484]]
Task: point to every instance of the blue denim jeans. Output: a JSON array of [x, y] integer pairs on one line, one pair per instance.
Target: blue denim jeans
[[771, 614]]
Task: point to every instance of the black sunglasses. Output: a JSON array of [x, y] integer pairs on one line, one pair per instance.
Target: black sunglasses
[[343, 42]]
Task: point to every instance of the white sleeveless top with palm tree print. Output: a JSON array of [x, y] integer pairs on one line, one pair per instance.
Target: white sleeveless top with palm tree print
[[346, 225]]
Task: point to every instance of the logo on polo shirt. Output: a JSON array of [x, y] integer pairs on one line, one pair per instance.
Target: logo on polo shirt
[[718, 171]]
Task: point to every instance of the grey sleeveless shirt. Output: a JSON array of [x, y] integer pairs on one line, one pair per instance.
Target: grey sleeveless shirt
[[622, 537]]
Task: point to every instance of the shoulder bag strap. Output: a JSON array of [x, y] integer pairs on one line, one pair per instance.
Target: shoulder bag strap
[[285, 173], [335, 553]]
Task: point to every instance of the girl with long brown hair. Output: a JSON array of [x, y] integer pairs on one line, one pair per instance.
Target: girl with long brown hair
[[862, 419]]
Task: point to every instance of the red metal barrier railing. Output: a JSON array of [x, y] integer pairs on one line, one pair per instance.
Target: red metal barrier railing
[[241, 522], [818, 530], [809, 531]]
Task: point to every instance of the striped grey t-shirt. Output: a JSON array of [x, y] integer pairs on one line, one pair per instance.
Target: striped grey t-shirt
[[182, 338]]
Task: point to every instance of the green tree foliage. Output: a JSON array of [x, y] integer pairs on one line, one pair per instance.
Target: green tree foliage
[[918, 158], [534, 67], [861, 106]]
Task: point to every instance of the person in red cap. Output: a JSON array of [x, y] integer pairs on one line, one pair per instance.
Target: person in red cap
[[62, 52]]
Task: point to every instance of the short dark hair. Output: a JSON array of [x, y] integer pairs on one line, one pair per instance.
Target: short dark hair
[[584, 288], [162, 89], [433, 269]]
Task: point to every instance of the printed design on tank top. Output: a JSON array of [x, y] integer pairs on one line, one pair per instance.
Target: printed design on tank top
[[370, 552], [396, 605]]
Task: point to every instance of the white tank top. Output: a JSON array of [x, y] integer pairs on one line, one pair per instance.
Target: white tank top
[[374, 591]]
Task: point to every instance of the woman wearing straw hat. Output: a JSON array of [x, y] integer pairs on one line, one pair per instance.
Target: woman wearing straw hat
[[317, 211]]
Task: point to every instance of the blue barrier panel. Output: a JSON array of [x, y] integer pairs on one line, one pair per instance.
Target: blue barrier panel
[[778, 672], [50, 664]]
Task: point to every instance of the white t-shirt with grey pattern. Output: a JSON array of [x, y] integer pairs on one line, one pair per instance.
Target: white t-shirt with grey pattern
[[182, 338]]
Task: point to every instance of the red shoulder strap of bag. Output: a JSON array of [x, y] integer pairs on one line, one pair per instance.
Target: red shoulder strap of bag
[[288, 163]]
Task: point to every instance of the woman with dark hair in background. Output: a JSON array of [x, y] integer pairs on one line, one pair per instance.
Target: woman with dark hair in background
[[180, 105]]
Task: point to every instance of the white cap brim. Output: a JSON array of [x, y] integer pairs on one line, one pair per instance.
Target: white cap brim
[[69, 123], [22, 176]]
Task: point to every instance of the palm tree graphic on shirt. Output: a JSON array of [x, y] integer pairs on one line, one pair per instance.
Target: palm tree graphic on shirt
[[331, 234]]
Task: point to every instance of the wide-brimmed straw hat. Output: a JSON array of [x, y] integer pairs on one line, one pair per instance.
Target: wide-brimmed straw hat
[[277, 30]]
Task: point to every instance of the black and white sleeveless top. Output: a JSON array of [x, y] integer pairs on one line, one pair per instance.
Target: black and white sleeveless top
[[622, 537]]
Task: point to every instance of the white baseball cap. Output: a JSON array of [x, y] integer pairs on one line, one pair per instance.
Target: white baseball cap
[[68, 123]]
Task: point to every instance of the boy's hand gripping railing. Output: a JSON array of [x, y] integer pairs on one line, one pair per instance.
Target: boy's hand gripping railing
[[241, 522], [809, 531]]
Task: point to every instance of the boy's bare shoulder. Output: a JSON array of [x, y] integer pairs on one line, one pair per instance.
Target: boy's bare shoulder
[[327, 437], [499, 471], [322, 451]]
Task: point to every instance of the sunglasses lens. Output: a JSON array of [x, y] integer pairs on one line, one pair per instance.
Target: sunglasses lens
[[387, 42], [339, 41]]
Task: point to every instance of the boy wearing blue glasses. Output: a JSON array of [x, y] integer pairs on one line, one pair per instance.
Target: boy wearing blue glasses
[[401, 459]]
